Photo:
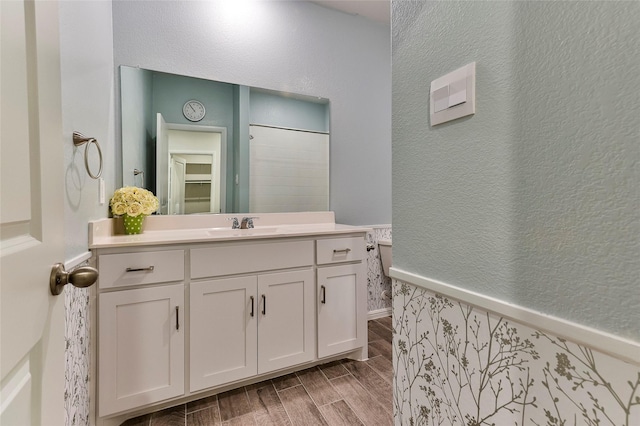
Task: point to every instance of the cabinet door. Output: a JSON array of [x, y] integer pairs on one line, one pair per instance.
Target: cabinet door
[[286, 326], [140, 347], [341, 309], [223, 331]]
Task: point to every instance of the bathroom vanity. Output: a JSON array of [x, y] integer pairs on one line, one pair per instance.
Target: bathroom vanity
[[192, 307]]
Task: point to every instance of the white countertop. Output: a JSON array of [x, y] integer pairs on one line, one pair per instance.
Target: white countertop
[[107, 233]]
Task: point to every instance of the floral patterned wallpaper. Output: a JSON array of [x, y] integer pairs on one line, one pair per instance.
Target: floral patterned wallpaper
[[77, 361], [377, 282], [457, 365]]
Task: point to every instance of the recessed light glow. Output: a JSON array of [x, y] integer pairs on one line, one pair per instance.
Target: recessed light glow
[[237, 10]]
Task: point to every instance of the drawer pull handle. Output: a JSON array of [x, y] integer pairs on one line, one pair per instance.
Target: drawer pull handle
[[264, 305], [344, 250], [150, 269], [177, 318], [324, 294], [252, 300]]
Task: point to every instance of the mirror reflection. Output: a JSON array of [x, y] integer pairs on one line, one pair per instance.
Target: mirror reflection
[[210, 147]]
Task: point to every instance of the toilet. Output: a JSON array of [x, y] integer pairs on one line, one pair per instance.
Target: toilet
[[385, 255]]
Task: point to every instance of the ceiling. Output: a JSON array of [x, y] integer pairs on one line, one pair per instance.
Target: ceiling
[[376, 10]]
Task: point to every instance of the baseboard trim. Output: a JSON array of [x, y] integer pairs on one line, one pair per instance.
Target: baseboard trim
[[378, 313], [618, 347]]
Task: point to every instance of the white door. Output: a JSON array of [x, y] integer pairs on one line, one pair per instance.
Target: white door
[[339, 294], [31, 211], [286, 326], [162, 163], [141, 354], [176, 190], [223, 331]]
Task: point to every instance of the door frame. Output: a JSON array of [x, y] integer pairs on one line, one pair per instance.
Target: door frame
[[223, 153]]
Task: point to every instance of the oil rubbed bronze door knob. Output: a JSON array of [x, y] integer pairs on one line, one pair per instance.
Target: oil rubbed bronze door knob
[[79, 277]]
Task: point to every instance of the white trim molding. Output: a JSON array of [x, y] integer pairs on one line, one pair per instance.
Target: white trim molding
[[81, 258], [618, 347], [379, 313]]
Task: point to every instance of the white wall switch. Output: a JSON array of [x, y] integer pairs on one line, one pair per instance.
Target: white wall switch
[[101, 191], [441, 98], [460, 97], [457, 93]]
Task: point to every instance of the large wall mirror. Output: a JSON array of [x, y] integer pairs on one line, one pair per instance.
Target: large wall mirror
[[253, 150]]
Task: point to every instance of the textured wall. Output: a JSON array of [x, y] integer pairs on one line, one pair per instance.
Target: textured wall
[[534, 199], [290, 46], [86, 63]]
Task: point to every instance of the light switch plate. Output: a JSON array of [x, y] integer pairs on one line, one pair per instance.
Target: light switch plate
[[460, 97], [101, 191], [441, 98], [457, 93]]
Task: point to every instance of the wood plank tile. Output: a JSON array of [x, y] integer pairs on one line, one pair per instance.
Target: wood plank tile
[[317, 386], [339, 414], [380, 347], [138, 421], [302, 411], [372, 336], [382, 366], [361, 402], [174, 416], [246, 420], [233, 403], [266, 405], [380, 330], [373, 350], [379, 388], [258, 385], [386, 322], [209, 416], [202, 403], [284, 382], [333, 369]]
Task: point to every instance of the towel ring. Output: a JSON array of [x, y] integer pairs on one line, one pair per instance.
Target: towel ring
[[80, 139]]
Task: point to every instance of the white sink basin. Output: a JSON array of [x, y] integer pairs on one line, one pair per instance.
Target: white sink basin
[[226, 233]]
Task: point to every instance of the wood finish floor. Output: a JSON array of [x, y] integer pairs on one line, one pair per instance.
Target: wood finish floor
[[343, 392]]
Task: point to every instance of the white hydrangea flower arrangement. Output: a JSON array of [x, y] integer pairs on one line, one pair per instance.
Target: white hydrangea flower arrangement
[[133, 201]]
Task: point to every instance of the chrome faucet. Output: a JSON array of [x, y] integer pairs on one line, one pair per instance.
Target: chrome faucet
[[234, 225], [247, 222]]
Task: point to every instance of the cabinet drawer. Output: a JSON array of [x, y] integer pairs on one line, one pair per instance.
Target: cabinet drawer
[[245, 258], [335, 250], [127, 269]]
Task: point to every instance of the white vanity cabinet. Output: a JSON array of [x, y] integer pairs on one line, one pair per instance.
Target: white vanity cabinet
[[141, 330], [251, 324], [179, 317], [341, 295]]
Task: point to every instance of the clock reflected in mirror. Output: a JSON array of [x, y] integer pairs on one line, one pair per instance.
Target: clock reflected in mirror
[[193, 110]]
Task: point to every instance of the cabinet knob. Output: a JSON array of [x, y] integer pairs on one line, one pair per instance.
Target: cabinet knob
[[79, 277]]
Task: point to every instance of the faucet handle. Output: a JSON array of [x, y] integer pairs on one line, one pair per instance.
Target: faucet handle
[[235, 224], [247, 222]]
